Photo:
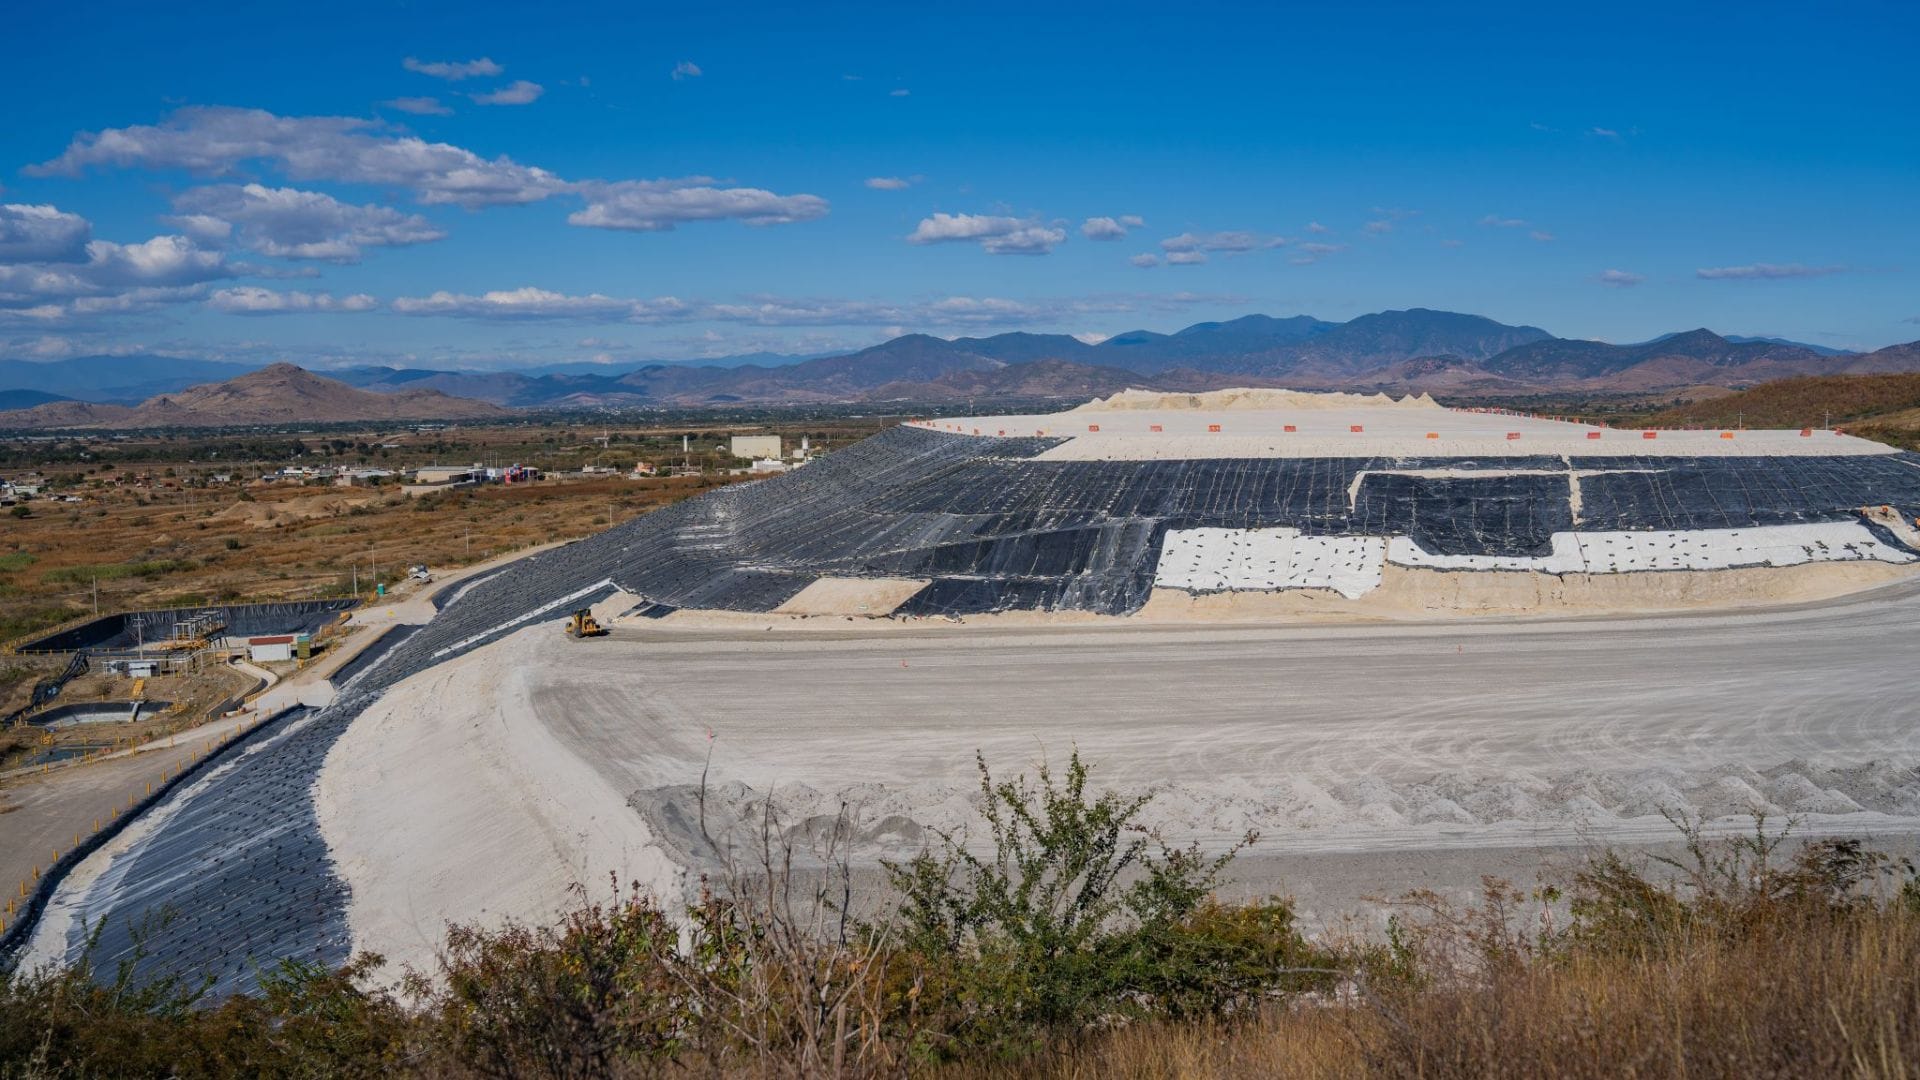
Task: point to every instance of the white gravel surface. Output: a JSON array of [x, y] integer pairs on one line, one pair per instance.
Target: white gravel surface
[[1262, 424], [486, 786]]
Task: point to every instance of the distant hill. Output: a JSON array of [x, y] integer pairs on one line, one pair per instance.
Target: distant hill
[[1809, 401], [277, 394], [27, 399], [1823, 350]]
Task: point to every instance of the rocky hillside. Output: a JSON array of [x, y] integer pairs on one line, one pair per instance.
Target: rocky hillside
[[279, 394]]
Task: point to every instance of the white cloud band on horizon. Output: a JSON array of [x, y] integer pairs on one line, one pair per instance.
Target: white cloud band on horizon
[[254, 300], [529, 304], [1765, 272]]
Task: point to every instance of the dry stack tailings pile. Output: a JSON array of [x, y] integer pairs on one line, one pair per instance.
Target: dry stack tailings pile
[[1250, 398]]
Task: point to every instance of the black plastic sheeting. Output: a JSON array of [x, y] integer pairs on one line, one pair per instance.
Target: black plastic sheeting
[[365, 658], [22, 929], [125, 630], [992, 528], [235, 879], [1729, 493], [1482, 515]]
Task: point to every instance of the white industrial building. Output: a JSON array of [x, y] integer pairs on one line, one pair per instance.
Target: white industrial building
[[756, 446]]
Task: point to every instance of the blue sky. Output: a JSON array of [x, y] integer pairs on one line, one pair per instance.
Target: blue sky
[[459, 185]]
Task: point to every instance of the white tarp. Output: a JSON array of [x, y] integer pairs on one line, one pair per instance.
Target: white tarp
[[1248, 560], [1701, 549], [1217, 560]]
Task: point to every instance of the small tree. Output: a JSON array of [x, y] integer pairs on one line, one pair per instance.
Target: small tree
[[1080, 915]]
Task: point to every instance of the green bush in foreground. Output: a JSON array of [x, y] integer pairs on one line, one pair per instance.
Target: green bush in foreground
[[1077, 918]]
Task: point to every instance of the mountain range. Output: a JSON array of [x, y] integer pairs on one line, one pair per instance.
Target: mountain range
[[1416, 350]]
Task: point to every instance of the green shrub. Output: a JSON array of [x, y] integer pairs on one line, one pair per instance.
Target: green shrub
[[1080, 918]]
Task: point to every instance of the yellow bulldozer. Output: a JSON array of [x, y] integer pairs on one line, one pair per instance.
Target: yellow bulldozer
[[582, 624]]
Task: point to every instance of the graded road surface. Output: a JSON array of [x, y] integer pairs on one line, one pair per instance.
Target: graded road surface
[[1315, 728]]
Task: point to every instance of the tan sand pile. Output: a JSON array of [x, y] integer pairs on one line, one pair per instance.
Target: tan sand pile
[[852, 596], [1250, 398], [268, 515]]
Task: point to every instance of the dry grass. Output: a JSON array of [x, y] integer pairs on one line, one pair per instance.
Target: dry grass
[[1884, 407], [185, 546], [1831, 999]]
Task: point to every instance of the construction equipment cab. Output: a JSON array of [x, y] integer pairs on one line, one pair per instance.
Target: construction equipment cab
[[582, 624]]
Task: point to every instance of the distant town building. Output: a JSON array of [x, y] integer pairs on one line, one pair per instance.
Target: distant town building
[[756, 446]]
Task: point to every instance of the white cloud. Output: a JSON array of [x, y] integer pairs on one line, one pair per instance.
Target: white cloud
[[1307, 254], [1765, 272], [997, 235], [1146, 260], [454, 71], [161, 261], [888, 183], [1620, 279], [32, 233], [524, 303], [899, 93], [253, 300], [518, 92], [1603, 133], [42, 281], [686, 69], [1495, 221], [1186, 258], [217, 141], [534, 304], [1541, 235], [1315, 227], [419, 106], [659, 205], [292, 224], [1232, 242], [1104, 227], [1375, 228]]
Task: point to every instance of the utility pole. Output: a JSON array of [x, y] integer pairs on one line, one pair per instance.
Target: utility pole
[[96, 597]]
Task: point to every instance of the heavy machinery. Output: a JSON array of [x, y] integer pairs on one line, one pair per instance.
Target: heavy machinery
[[582, 624]]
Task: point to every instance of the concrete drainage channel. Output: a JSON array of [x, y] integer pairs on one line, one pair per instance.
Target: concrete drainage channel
[[22, 928]]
